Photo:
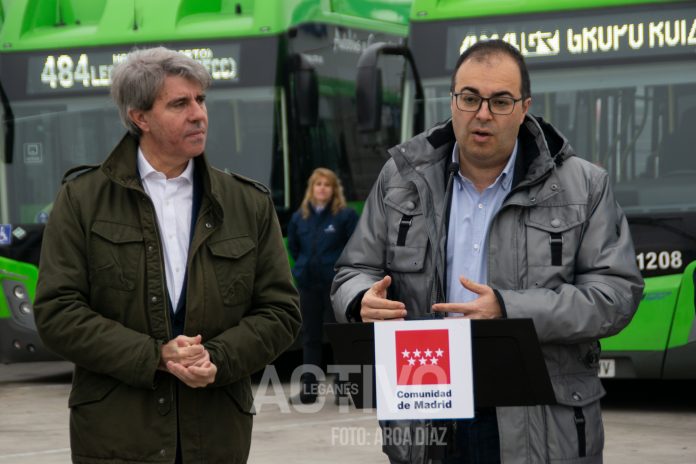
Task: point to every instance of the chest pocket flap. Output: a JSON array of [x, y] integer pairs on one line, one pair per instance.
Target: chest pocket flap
[[117, 233], [115, 254], [553, 234], [232, 248], [556, 218], [403, 200], [234, 263]]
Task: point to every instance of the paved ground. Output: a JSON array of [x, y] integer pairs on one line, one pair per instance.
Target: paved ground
[[646, 422]]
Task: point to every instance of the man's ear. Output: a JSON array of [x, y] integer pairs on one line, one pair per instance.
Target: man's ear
[[139, 119], [526, 103]]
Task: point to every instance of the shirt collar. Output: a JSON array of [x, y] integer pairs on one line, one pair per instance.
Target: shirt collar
[[505, 177], [146, 169]]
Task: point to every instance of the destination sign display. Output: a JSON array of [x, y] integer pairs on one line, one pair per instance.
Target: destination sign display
[[82, 70], [587, 36]]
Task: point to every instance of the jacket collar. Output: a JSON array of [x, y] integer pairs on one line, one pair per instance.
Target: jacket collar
[[540, 147], [121, 167]]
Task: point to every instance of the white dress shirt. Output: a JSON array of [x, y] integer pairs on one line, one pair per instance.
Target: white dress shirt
[[173, 200]]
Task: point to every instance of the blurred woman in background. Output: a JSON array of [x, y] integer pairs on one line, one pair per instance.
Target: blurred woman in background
[[317, 233]]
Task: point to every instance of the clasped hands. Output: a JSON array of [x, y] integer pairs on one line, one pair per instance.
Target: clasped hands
[[376, 307], [188, 360]]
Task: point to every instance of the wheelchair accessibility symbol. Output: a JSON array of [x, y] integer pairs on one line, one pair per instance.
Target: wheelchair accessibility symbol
[[5, 234]]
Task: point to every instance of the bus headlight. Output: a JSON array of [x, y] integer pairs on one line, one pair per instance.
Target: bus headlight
[[25, 307], [19, 292], [19, 303]]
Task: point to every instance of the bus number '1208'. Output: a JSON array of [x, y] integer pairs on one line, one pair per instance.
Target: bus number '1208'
[[654, 260]]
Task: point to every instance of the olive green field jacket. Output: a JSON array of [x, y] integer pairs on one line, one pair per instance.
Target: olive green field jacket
[[101, 303]]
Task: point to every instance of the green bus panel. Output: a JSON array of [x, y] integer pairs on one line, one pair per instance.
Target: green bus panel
[[432, 10], [43, 24], [683, 330], [649, 329], [11, 270]]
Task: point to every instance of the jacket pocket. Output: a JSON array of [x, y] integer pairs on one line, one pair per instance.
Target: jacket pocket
[[240, 393], [406, 232], [574, 426], [405, 258], [90, 388], [113, 422], [234, 261], [115, 254], [553, 234]]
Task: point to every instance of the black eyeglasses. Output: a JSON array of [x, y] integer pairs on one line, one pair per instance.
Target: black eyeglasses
[[471, 102]]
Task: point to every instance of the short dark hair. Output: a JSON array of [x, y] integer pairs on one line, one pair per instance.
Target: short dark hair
[[492, 47]]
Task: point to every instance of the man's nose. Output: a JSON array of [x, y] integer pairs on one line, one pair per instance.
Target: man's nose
[[484, 111], [198, 111]]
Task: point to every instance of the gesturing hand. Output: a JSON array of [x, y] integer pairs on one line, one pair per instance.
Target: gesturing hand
[[486, 306], [376, 307]]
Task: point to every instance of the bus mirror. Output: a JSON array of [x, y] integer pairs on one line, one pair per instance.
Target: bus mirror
[[8, 125], [369, 98], [368, 92], [306, 90]]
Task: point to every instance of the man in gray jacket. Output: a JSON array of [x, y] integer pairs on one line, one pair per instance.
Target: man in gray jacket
[[491, 215]]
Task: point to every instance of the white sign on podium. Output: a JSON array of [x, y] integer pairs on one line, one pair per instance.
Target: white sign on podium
[[424, 369]]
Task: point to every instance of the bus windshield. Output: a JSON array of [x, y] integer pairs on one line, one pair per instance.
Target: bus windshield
[[635, 120], [53, 135]]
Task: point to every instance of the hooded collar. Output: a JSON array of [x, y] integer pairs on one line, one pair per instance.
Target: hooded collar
[[540, 147]]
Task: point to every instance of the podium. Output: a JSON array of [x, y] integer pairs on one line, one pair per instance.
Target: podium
[[508, 365]]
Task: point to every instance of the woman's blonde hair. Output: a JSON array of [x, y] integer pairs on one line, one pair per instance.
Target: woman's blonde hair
[[338, 201]]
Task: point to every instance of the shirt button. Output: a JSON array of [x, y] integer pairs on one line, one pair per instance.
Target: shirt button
[[150, 248], [154, 299], [208, 225], [163, 452], [480, 205], [160, 400], [555, 222], [476, 246]]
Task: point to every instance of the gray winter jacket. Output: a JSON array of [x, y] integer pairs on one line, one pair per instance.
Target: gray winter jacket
[[587, 290]]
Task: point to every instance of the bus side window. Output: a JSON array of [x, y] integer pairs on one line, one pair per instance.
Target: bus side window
[[678, 149]]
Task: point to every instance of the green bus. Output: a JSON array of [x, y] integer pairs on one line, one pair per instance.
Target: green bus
[[618, 78], [282, 103]]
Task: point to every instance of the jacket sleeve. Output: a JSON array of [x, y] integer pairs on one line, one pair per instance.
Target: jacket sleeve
[[362, 262], [65, 321], [607, 287], [273, 322]]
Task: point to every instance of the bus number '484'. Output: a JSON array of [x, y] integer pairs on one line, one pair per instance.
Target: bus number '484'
[[654, 260]]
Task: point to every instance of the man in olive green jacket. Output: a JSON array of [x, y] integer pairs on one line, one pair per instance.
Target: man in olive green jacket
[[162, 370]]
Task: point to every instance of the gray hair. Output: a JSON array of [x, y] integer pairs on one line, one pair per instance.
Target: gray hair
[[136, 81]]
